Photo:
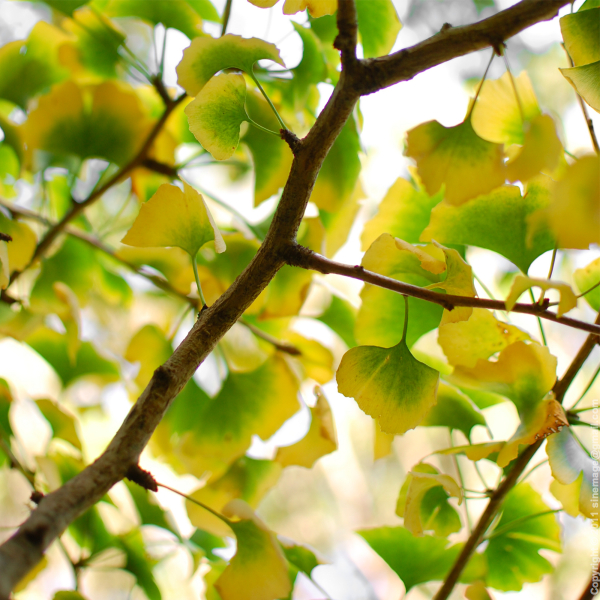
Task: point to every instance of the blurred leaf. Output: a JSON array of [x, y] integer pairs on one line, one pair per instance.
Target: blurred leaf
[[340, 317], [68, 595], [259, 568], [301, 557], [581, 32], [388, 384], [587, 277], [206, 56], [173, 217], [378, 25], [567, 302], [139, 563], [316, 8], [512, 555], [216, 114], [455, 157], [207, 542], [321, 438], [476, 223], [150, 347], [586, 81], [24, 241], [62, 423], [148, 509], [5, 401], [414, 559]]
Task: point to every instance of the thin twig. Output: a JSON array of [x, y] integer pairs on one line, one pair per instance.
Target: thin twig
[[298, 256], [226, 15]]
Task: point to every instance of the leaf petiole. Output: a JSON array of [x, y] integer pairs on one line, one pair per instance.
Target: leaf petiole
[[252, 122], [195, 267], [262, 91]]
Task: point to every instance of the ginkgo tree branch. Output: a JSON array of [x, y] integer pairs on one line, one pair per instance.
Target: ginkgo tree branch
[[299, 256], [20, 553]]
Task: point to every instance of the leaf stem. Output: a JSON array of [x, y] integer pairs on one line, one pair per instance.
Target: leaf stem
[[460, 478], [253, 122], [514, 87], [589, 290], [587, 389], [195, 267], [405, 328], [226, 15], [517, 522], [470, 112], [194, 501], [262, 91], [542, 333]]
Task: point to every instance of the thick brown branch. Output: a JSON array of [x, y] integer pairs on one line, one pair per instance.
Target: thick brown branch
[[379, 73], [299, 256]]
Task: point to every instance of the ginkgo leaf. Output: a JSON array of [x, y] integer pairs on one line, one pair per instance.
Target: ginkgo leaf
[[271, 156], [456, 157], [247, 478], [466, 342], [173, 217], [546, 418], [243, 350], [206, 56], [541, 150], [381, 316], [4, 266], [388, 384], [500, 114], [586, 81], [216, 114], [259, 569], [454, 410], [378, 25], [150, 348], [321, 438], [404, 212], [513, 548], [382, 442], [316, 8], [568, 461], [586, 278], [567, 302], [414, 559], [581, 33], [300, 556], [315, 360], [104, 121], [70, 316], [22, 247], [340, 317], [475, 452], [477, 591], [62, 423], [429, 257], [476, 223], [524, 373], [423, 502], [574, 212], [568, 495]]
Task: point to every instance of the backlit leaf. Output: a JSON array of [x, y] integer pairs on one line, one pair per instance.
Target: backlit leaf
[[404, 212], [568, 461], [454, 410], [321, 438], [389, 384], [574, 212], [586, 81], [475, 223], [378, 25], [497, 113], [380, 319], [62, 423], [568, 300], [455, 157], [139, 563], [22, 247], [340, 316], [587, 277], [259, 569], [216, 114], [206, 56], [247, 478], [581, 32], [512, 555], [173, 217], [466, 342], [423, 502], [150, 348], [414, 559], [475, 452], [316, 8]]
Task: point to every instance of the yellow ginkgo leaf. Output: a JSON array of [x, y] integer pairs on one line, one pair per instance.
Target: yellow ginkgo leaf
[[389, 384], [23, 244], [173, 217], [259, 569], [206, 56], [430, 259], [568, 299], [541, 150], [547, 418], [320, 440], [316, 8], [382, 442], [466, 342], [455, 157], [568, 494], [581, 32], [499, 115], [70, 317], [475, 452], [216, 114], [586, 81], [4, 266]]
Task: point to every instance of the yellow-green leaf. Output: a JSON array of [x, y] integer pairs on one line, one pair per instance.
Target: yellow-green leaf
[[499, 116], [466, 342], [259, 569], [206, 56], [150, 348], [321, 438], [389, 384], [378, 25], [586, 81], [586, 278], [316, 8], [581, 32], [568, 299], [173, 217], [23, 244], [455, 157], [62, 423], [216, 114], [475, 452]]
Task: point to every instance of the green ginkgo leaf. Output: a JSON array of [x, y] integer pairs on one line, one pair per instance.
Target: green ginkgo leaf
[[206, 56], [216, 114], [389, 384], [586, 81], [586, 278], [378, 25], [581, 32], [173, 217]]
